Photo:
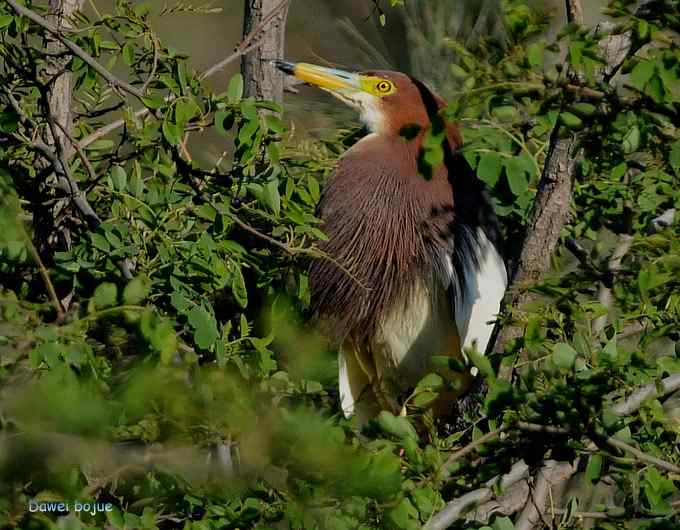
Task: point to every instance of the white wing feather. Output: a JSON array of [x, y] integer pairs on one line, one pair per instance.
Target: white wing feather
[[476, 310]]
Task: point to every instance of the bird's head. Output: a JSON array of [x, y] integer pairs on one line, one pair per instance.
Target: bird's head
[[389, 102]]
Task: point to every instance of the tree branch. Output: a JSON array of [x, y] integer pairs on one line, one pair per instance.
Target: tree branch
[[551, 478], [472, 446], [454, 510], [244, 47], [642, 456], [655, 389], [76, 50]]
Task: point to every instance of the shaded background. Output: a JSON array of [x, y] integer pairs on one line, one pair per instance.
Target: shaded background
[[343, 33]]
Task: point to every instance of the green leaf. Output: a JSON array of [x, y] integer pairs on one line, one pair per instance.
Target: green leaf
[[583, 109], [403, 516], [564, 355], [271, 197], [458, 71], [609, 353], [397, 426], [517, 180], [535, 54], [656, 89], [205, 327], [100, 242], [118, 178], [571, 121], [642, 73], [503, 523], [674, 156], [115, 517], [594, 468], [105, 295], [431, 381], [274, 123], [185, 110], [489, 168], [235, 88], [482, 363], [631, 141], [136, 290], [153, 102], [5, 20], [172, 132], [100, 145], [129, 54], [224, 121], [238, 287], [505, 113]]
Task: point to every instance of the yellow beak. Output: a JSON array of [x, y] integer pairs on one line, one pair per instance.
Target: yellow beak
[[326, 78]]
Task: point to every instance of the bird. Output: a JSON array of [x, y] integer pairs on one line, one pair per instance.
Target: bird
[[414, 269]]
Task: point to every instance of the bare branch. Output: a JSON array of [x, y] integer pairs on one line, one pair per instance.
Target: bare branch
[[582, 515], [81, 152], [652, 390], [535, 427], [154, 65], [109, 128], [455, 509], [551, 477]]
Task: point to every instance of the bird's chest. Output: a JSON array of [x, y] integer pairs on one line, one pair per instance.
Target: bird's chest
[[414, 330]]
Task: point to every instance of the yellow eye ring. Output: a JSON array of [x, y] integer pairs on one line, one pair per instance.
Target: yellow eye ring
[[383, 86]]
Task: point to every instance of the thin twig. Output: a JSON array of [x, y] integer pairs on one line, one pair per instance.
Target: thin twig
[[604, 294], [582, 515], [248, 43], [472, 446], [81, 152], [154, 65], [642, 456], [535, 427], [209, 72], [45, 275], [106, 129], [76, 50]]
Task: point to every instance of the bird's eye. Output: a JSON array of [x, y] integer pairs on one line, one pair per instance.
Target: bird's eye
[[383, 86]]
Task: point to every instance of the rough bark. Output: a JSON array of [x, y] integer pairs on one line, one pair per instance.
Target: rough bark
[[262, 80], [549, 214], [52, 224], [61, 88]]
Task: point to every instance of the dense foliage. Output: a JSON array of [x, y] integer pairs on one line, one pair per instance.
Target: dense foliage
[[155, 354]]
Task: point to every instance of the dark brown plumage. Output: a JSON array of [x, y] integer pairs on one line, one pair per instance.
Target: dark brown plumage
[[383, 223]]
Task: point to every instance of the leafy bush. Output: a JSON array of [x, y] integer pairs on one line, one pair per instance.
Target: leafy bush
[[154, 346]]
